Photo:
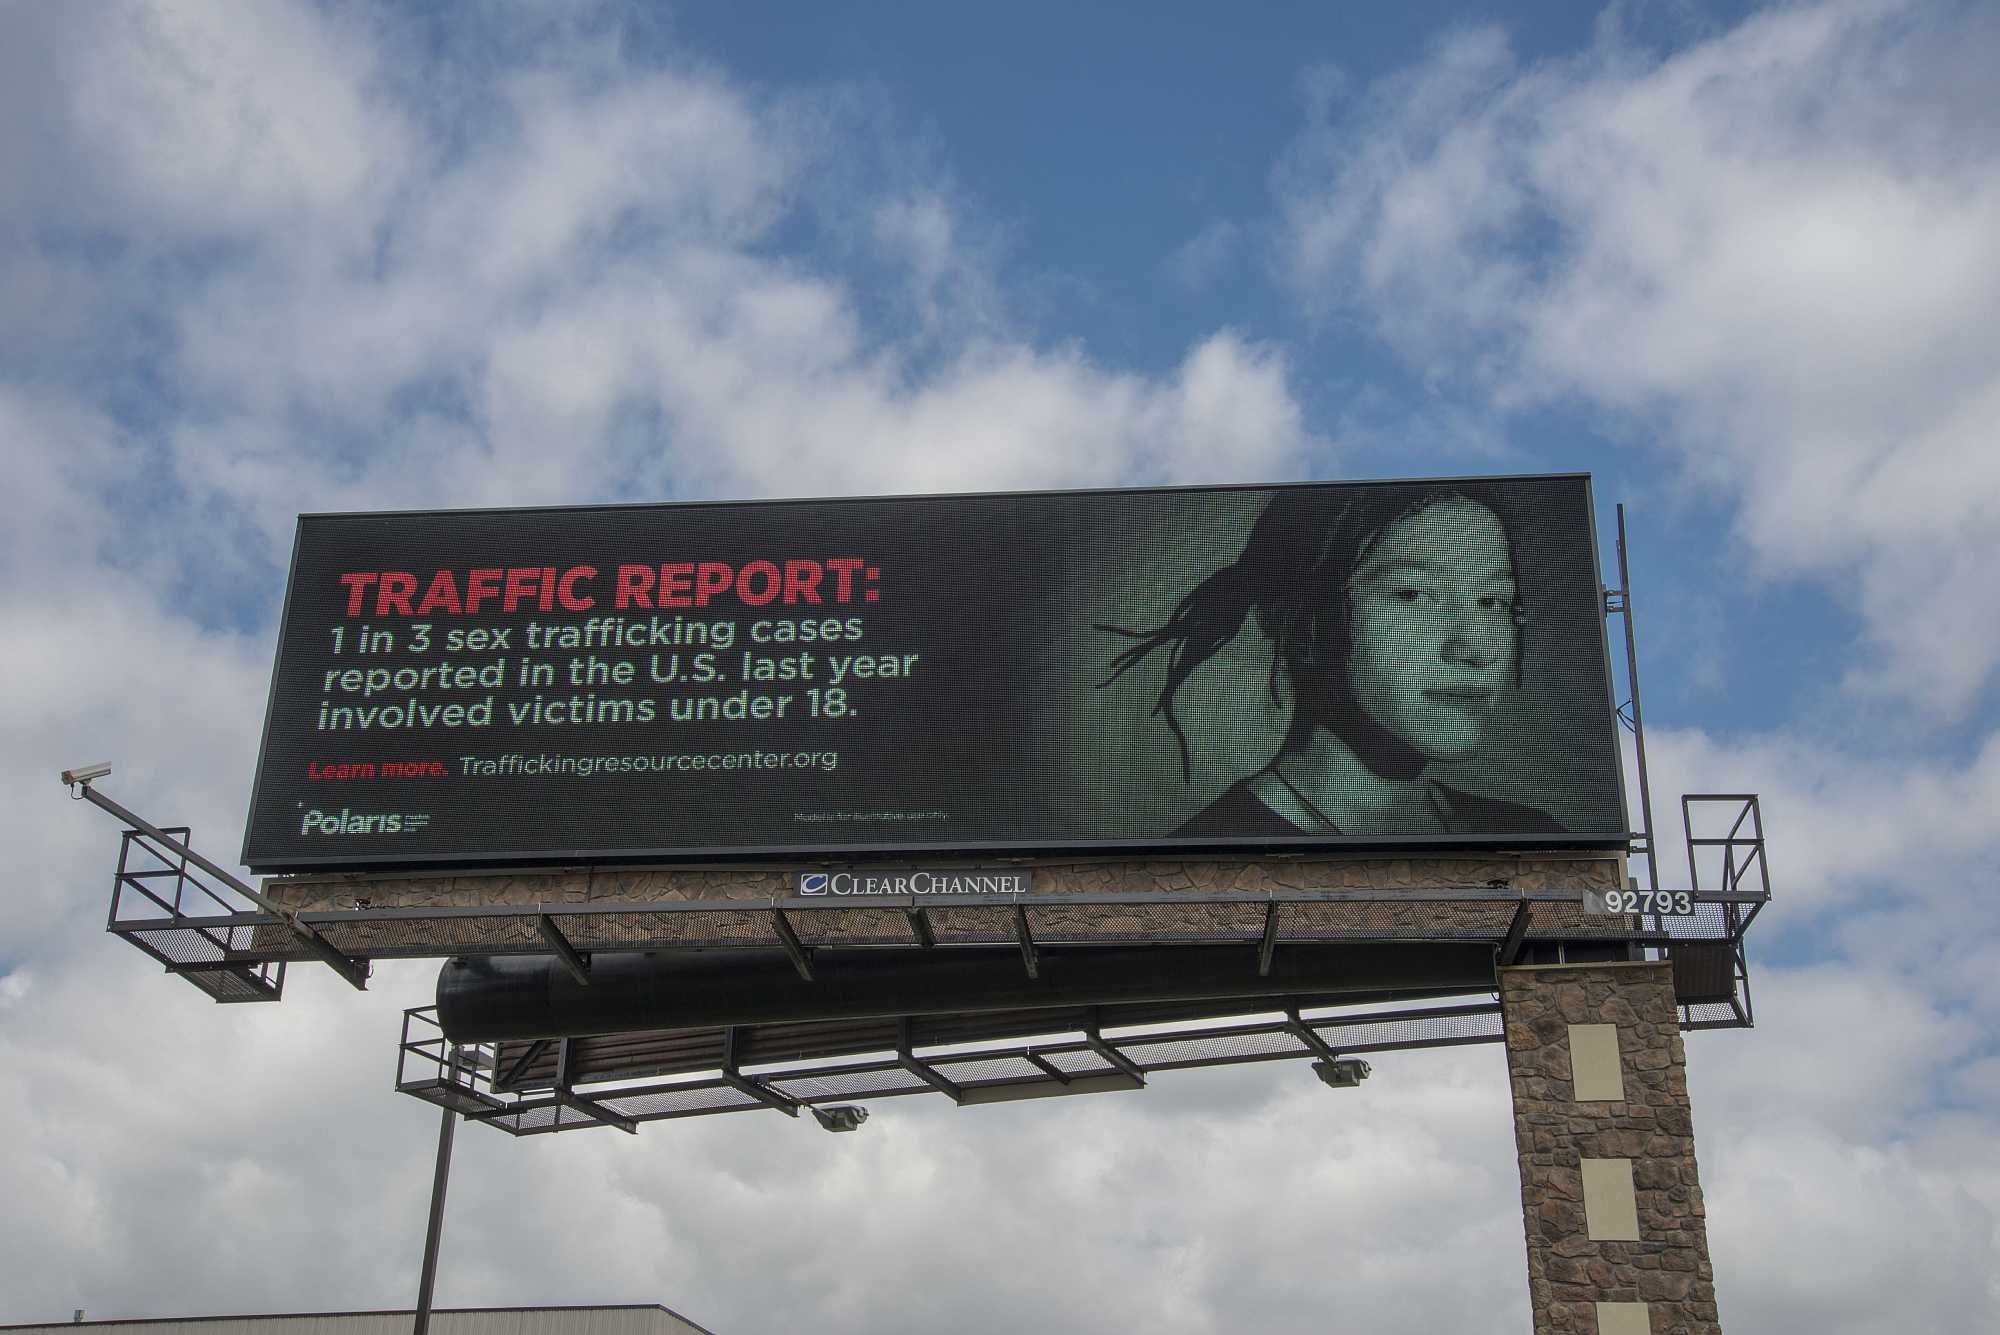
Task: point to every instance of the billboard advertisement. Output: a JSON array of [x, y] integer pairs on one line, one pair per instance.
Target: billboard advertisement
[[1409, 663]]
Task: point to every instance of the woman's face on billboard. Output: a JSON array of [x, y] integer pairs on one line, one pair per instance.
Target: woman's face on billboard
[[1432, 627]]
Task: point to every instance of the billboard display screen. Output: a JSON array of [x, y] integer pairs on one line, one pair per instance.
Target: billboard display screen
[[1319, 665]]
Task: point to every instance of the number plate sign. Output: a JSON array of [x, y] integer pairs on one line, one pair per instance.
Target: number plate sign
[[1659, 903]]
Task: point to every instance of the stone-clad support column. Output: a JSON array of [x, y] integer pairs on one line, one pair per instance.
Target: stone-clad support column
[[1624, 1149]]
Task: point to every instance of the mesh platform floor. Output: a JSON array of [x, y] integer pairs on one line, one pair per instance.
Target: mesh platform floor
[[1036, 1066]]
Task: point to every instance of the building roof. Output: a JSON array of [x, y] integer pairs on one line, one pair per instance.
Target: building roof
[[576, 1318]]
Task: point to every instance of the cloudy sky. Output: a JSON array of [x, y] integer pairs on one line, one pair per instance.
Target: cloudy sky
[[1741, 264]]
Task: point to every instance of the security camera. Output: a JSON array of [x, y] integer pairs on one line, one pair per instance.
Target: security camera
[[1342, 1072], [840, 1117], [84, 774]]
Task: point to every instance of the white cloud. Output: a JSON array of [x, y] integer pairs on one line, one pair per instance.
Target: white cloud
[[948, 279], [458, 298], [1776, 253], [300, 269], [1831, 1173], [1846, 820], [1843, 1141], [201, 1160], [418, 298], [223, 122]]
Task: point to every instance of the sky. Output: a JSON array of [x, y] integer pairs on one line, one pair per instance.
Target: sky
[[1741, 264]]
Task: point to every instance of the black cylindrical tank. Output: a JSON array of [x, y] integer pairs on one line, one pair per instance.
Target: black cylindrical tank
[[534, 996]]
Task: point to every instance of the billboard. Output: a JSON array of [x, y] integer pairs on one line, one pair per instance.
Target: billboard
[[1409, 663]]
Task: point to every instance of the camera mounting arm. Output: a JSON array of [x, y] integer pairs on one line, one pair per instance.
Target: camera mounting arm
[[80, 779]]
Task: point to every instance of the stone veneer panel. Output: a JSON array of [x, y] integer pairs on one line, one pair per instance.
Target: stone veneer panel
[[1570, 1274], [652, 885]]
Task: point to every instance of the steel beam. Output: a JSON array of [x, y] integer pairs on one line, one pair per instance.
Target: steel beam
[[922, 1070], [1053, 1071], [1111, 1054], [522, 1063], [1309, 1036], [596, 1111], [577, 964], [744, 1084], [1517, 932], [1027, 939], [1269, 946], [1638, 714], [801, 958]]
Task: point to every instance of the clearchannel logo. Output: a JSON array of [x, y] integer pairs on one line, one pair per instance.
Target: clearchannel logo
[[919, 881]]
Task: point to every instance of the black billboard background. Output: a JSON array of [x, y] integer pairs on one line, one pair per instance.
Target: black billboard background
[[1001, 737]]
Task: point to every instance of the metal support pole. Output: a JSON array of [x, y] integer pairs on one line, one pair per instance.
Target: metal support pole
[[1517, 932], [1027, 939], [577, 964], [446, 1126], [1638, 718], [788, 938]]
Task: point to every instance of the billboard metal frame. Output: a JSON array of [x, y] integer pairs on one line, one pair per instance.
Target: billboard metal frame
[[1618, 601], [184, 911], [238, 954], [200, 943], [1055, 1063]]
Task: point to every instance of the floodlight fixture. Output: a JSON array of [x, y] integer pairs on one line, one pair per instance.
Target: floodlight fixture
[[83, 774], [1341, 1072], [474, 1057], [840, 1117]]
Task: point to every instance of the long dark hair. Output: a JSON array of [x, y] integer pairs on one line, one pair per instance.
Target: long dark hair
[[1294, 573]]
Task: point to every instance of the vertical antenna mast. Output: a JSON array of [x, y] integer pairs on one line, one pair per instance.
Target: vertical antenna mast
[[1638, 717]]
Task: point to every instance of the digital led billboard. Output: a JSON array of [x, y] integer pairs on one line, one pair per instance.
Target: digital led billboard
[[1319, 665]]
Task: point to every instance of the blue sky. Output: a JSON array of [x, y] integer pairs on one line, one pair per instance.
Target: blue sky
[[1740, 263]]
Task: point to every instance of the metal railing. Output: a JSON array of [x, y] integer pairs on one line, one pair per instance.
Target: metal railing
[[1742, 880], [164, 905]]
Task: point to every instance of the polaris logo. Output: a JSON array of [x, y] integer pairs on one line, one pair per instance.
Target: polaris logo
[[913, 882], [348, 821]]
